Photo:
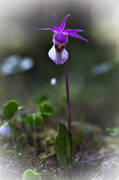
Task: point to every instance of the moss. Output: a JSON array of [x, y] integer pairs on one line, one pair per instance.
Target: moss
[[86, 134], [48, 136]]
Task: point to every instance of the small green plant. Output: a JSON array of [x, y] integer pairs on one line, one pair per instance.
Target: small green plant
[[46, 109], [9, 109], [34, 120], [30, 174], [18, 122]]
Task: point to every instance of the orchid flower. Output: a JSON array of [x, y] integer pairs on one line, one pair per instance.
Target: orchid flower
[[58, 53]]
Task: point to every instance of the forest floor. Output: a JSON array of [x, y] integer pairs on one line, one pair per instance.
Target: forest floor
[[101, 164]]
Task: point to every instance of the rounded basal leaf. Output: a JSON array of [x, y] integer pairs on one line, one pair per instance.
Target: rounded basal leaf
[[9, 109], [29, 120], [30, 174], [38, 119], [34, 120], [46, 109]]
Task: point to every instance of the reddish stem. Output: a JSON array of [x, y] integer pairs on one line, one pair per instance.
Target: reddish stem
[[68, 99]]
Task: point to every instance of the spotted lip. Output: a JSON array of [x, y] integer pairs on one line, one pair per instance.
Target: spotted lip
[[59, 47]]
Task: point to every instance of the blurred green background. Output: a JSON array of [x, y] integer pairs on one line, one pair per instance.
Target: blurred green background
[[93, 66]]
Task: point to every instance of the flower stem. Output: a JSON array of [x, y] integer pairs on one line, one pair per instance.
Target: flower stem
[[68, 99]]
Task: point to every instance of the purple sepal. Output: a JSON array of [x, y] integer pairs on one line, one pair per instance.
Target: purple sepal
[[61, 33], [55, 25], [77, 36], [47, 29], [72, 31], [62, 26], [58, 57]]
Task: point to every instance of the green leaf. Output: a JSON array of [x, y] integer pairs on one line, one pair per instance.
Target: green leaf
[[30, 174], [64, 147], [9, 109], [34, 120], [46, 109]]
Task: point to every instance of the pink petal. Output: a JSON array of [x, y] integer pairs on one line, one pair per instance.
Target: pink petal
[[72, 30], [58, 57], [62, 26], [55, 25], [47, 29], [77, 36]]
